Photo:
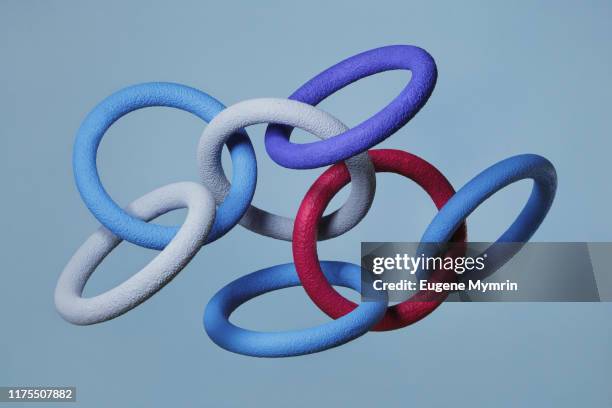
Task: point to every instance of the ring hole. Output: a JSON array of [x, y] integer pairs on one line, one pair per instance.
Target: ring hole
[[339, 199], [362, 99], [400, 212], [147, 149], [118, 266], [127, 259], [263, 314], [494, 216]]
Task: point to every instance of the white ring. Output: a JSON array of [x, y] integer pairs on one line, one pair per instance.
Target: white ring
[[156, 274], [296, 114]]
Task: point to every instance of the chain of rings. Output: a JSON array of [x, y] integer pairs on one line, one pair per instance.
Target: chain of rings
[[216, 205]]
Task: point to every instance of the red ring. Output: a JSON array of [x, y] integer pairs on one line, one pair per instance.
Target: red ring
[[311, 209]]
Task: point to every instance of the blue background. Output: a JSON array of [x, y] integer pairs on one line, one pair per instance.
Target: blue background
[[514, 77]]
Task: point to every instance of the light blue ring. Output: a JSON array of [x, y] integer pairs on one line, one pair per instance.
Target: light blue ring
[[295, 342], [487, 183], [124, 101]]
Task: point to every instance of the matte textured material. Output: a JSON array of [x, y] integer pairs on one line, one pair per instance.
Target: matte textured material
[[155, 275], [205, 223], [303, 116], [313, 205], [102, 206], [370, 132], [487, 183], [295, 342]]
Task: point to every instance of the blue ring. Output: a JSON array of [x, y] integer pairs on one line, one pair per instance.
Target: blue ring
[[124, 101], [487, 183], [295, 342]]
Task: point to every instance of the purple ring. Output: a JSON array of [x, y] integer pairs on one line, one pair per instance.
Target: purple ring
[[373, 130]]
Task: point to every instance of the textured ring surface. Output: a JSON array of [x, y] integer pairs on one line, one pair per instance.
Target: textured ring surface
[[215, 206], [155, 275], [313, 205], [295, 342], [373, 130], [487, 183], [145, 95], [301, 115]]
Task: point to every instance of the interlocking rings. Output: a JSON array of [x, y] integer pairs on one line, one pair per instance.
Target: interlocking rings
[[218, 205], [306, 117], [370, 132], [288, 343], [489, 182], [151, 278], [141, 96], [314, 204]]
